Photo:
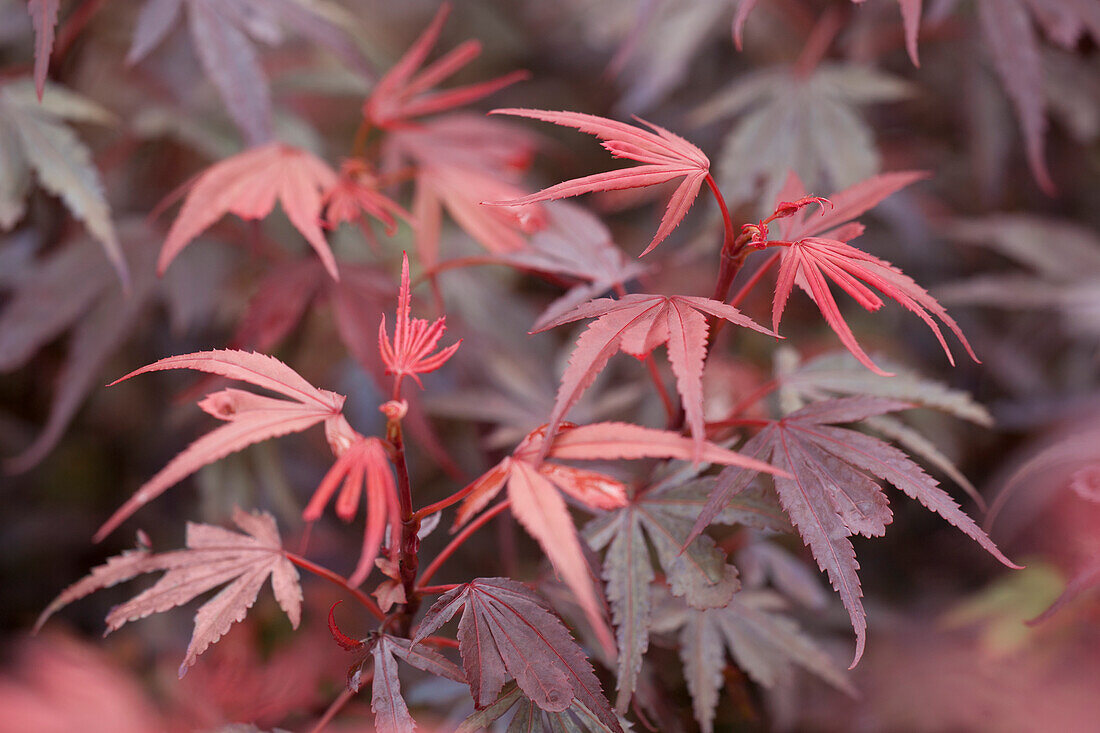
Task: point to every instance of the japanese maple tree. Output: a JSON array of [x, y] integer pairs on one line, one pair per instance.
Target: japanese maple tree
[[406, 358]]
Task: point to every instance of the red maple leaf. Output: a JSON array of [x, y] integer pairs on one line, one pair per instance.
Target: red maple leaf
[[810, 261], [403, 93], [666, 157], [507, 631], [248, 184], [637, 324]]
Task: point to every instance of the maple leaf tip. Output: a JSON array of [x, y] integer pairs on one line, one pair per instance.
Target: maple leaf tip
[[861, 641]]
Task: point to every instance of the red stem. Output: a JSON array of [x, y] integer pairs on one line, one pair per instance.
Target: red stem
[[733, 249], [408, 561], [755, 396], [460, 538], [359, 144], [339, 580], [727, 222], [454, 498], [671, 409], [438, 588], [734, 422], [337, 705], [73, 26]]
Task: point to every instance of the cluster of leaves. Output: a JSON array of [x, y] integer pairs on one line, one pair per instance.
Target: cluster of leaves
[[681, 504]]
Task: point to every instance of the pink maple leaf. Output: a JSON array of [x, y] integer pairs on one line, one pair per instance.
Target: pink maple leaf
[[666, 157], [250, 418], [811, 261], [214, 556], [637, 324], [364, 468], [403, 93], [461, 160], [248, 184], [410, 353]]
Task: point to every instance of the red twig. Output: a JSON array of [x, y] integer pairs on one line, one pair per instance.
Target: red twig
[[337, 705]]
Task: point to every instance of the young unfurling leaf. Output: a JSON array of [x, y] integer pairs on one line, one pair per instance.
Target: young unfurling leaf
[[414, 340], [250, 418], [214, 556], [364, 468]]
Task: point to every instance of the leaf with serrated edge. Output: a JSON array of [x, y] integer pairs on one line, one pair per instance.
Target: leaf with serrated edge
[[628, 573], [213, 556], [666, 157], [250, 418], [637, 324], [391, 714], [829, 497], [64, 168], [530, 642], [248, 185]]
